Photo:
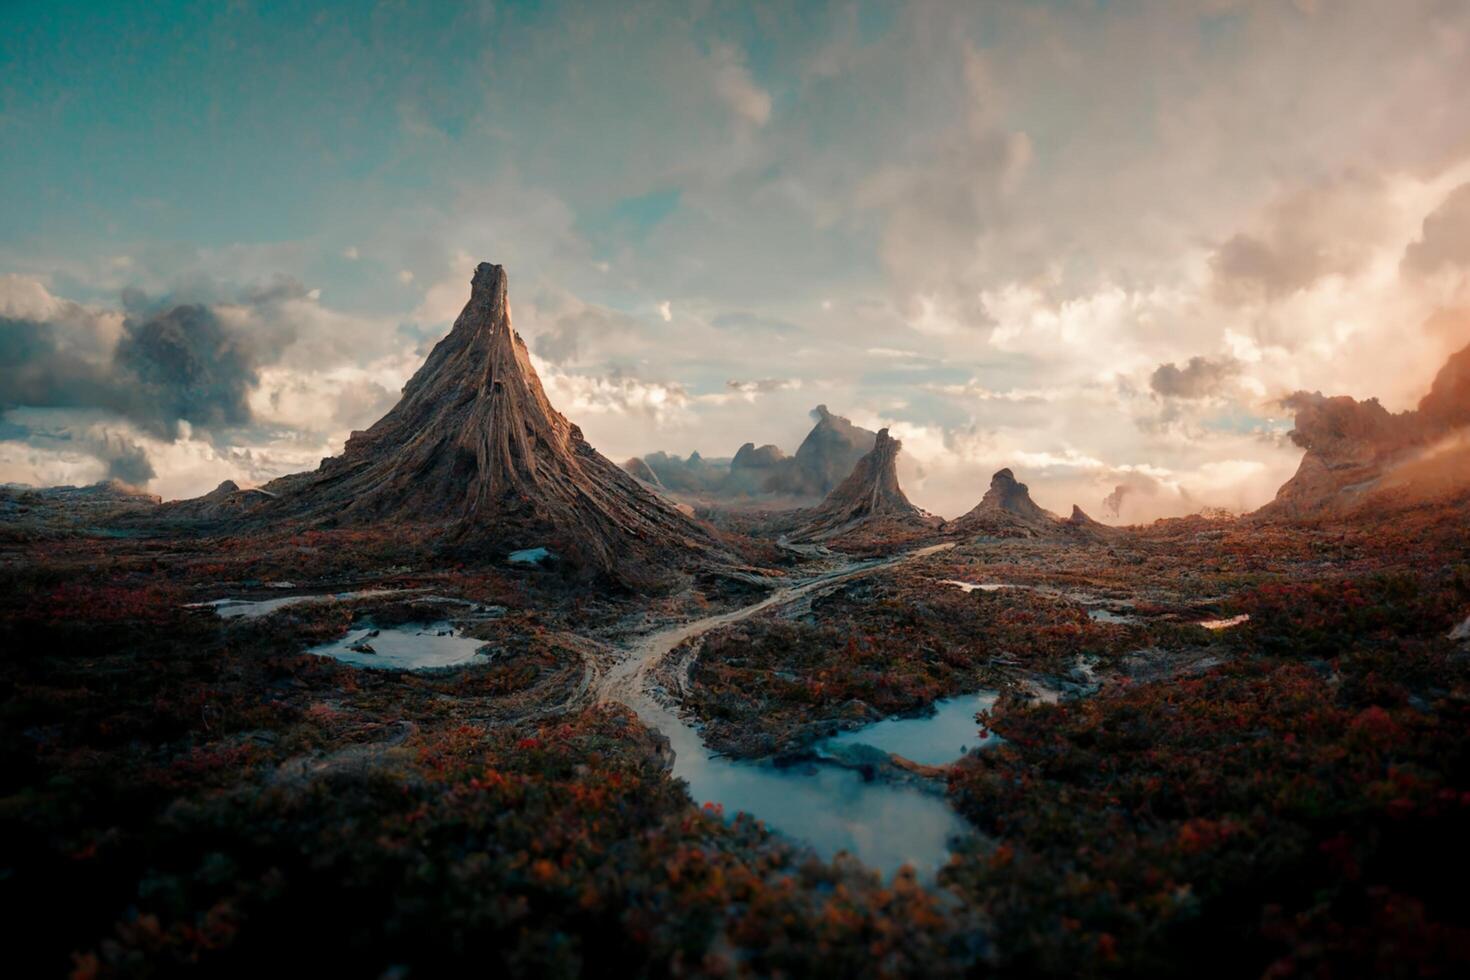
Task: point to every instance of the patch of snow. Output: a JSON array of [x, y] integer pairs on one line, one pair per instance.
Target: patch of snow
[[1224, 624], [1108, 616], [410, 647], [982, 586], [255, 608], [528, 556]]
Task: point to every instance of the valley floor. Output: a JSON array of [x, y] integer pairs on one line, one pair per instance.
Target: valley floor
[[1282, 796]]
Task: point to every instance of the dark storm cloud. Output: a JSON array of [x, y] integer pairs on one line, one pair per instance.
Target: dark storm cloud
[[126, 460], [179, 364], [1199, 378], [42, 364], [184, 364]]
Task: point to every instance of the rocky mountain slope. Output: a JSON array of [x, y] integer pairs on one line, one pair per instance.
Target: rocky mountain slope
[[1356, 450], [1007, 511], [475, 448], [825, 457], [870, 495]]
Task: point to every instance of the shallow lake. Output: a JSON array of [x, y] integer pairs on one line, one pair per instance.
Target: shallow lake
[[934, 740], [410, 647], [830, 808], [253, 608]]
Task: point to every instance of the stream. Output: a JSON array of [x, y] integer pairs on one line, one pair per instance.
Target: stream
[[829, 807], [823, 802]]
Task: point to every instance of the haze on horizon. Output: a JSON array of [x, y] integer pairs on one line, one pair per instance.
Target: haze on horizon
[[1094, 242]]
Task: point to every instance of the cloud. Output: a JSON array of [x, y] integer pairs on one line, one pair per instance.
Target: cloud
[[623, 395], [763, 386], [568, 331], [746, 322], [1322, 229], [736, 88], [125, 460], [1200, 378], [179, 364], [1445, 238], [185, 364]]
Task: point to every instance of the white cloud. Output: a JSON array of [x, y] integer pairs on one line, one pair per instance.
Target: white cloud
[[736, 88]]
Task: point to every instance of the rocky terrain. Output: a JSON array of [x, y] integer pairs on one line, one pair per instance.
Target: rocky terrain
[[1354, 449], [868, 504], [475, 447], [1007, 511], [1227, 746]]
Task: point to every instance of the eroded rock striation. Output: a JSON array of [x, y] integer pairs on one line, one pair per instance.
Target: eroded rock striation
[[1357, 449], [825, 457], [475, 447], [1007, 511], [223, 502], [869, 494]]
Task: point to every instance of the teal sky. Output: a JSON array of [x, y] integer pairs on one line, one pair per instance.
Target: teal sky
[[988, 225]]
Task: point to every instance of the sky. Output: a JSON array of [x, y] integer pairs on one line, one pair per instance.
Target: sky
[[1096, 242]]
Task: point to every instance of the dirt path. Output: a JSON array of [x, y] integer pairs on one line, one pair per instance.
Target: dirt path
[[627, 681]]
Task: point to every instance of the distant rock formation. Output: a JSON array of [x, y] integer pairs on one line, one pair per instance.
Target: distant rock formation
[[639, 470], [753, 470], [223, 502], [28, 512], [695, 475], [1081, 524], [1354, 447], [870, 493], [475, 447], [1007, 511], [827, 455]]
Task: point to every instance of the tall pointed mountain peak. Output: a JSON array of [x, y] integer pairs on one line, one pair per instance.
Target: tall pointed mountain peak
[[475, 443], [1007, 510], [871, 491]]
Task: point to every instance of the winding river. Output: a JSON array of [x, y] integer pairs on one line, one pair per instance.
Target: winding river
[[831, 808], [822, 802]]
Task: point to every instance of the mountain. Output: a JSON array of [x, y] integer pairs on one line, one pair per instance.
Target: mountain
[[695, 475], [1007, 511], [475, 449], [870, 497], [825, 457], [224, 501], [1080, 524], [828, 453], [28, 512], [1356, 450], [639, 470], [753, 469]]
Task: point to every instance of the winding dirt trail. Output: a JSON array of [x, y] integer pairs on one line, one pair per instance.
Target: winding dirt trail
[[627, 682]]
